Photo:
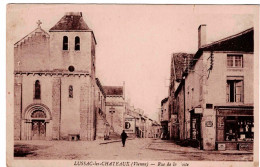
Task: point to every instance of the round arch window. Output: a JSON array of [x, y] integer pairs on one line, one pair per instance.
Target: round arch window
[[71, 68]]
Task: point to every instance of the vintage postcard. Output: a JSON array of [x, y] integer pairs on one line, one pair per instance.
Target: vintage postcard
[[132, 85]]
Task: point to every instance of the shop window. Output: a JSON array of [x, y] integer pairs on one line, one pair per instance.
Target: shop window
[[245, 129], [235, 61], [37, 90], [234, 90], [70, 91], [65, 43], [230, 129], [237, 128], [77, 43]]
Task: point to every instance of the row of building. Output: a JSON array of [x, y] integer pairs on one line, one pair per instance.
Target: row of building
[[210, 104], [57, 95]]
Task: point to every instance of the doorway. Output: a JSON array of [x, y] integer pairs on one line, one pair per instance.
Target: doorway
[[38, 130]]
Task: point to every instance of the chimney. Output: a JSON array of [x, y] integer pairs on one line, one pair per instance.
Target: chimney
[[202, 35], [73, 14]]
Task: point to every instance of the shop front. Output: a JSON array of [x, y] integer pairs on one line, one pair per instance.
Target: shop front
[[235, 128]]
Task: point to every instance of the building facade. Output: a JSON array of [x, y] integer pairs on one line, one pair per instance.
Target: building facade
[[115, 107], [54, 86], [217, 91], [102, 125], [165, 118], [179, 62]]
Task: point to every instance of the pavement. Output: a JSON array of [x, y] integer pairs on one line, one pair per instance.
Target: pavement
[[111, 141], [135, 149]]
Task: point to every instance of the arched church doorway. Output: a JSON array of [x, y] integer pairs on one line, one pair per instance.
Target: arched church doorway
[[38, 125], [37, 122]]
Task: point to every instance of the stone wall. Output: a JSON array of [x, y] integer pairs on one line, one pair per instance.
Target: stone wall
[[56, 108], [17, 107], [62, 59], [118, 116], [33, 53]]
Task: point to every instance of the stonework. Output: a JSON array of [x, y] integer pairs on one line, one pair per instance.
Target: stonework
[[56, 108], [40, 57], [17, 107]]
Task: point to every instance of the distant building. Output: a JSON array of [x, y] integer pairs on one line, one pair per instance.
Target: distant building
[[179, 62], [102, 125], [165, 118], [115, 107], [156, 130]]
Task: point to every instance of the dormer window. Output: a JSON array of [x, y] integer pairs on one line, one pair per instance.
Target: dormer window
[[77, 43], [65, 43]]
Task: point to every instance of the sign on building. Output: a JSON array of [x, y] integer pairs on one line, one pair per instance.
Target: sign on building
[[130, 125]]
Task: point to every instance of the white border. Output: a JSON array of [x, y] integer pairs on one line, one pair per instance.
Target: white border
[[3, 4]]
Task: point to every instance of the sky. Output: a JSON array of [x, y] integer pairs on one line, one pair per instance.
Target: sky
[[135, 42]]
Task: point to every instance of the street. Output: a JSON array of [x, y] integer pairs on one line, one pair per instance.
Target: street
[[135, 149]]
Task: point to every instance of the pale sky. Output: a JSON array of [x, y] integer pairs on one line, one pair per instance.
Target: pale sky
[[135, 42]]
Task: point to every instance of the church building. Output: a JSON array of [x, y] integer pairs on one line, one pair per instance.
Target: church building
[[54, 82]]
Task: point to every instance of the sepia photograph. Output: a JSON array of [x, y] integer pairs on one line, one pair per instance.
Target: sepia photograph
[[132, 85]]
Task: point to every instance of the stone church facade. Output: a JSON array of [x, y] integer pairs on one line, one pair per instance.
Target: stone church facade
[[54, 82]]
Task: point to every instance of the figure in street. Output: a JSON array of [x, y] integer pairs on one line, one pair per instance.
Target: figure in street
[[123, 137]]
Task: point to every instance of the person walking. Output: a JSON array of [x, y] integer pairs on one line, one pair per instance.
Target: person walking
[[123, 137]]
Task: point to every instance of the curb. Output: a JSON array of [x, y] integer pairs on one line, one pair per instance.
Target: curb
[[112, 141]]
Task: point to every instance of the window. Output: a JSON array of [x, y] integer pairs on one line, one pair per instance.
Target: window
[[77, 43], [238, 128], [235, 60], [65, 43], [37, 90], [235, 90], [70, 91], [71, 68]]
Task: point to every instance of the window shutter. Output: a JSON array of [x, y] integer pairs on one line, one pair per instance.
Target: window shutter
[[239, 91], [228, 92]]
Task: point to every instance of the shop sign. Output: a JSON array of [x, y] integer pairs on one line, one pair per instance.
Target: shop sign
[[244, 146], [198, 110], [208, 123], [130, 125], [221, 147]]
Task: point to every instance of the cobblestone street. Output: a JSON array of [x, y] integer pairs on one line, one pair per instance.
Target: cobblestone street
[[135, 149]]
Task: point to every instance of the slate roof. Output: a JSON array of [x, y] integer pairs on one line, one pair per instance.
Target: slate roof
[[164, 101], [100, 86], [180, 64], [72, 21], [243, 41], [113, 90]]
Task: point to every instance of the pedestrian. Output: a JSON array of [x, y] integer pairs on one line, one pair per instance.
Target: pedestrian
[[123, 137]]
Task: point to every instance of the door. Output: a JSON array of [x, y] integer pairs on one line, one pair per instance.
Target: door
[[38, 130], [195, 127]]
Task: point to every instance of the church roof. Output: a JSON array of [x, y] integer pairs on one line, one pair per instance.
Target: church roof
[[35, 32], [71, 21], [113, 90]]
